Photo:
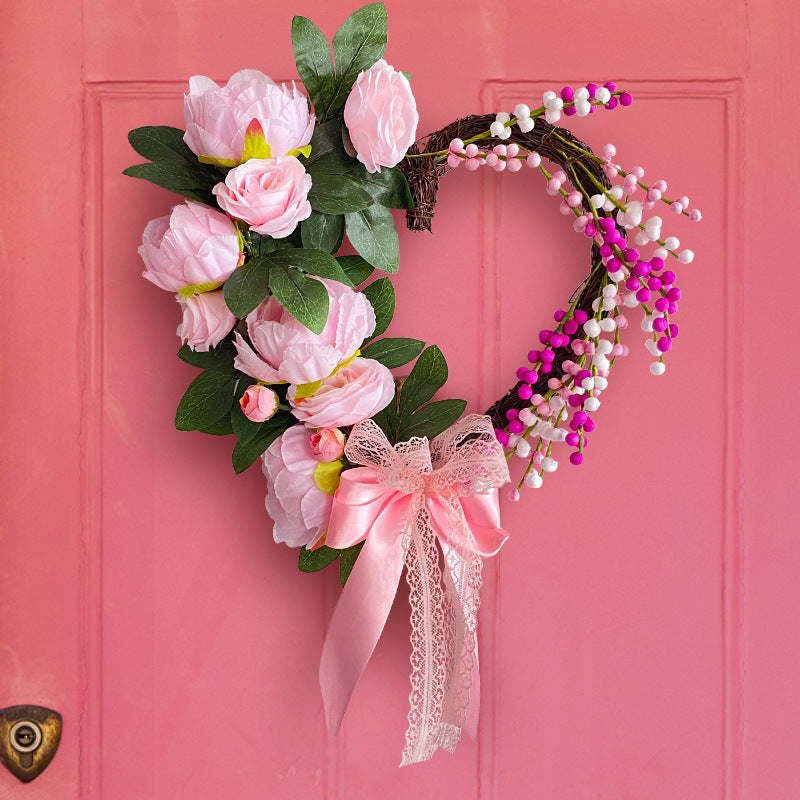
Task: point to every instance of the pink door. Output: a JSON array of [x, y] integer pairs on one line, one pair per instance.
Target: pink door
[[638, 631]]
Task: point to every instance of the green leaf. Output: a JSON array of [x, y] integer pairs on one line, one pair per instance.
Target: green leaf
[[393, 352], [326, 142], [427, 377], [373, 234], [433, 418], [312, 55], [315, 262], [245, 453], [333, 192], [219, 358], [315, 560], [162, 144], [357, 45], [304, 298], [356, 268], [208, 399], [192, 182], [389, 187], [222, 427], [347, 561], [380, 294], [248, 286], [323, 232], [388, 420]]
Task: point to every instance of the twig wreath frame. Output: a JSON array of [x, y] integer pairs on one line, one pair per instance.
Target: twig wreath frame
[[362, 467]]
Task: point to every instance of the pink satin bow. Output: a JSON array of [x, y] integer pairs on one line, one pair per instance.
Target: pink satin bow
[[400, 502]]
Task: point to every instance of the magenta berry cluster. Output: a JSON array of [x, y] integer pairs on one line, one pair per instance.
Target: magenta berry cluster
[[574, 359]]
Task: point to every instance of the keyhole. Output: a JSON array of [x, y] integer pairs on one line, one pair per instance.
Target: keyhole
[[25, 737]]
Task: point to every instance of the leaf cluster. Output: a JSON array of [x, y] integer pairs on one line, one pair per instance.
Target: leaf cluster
[[346, 200]]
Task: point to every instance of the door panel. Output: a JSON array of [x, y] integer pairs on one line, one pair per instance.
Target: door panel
[[636, 631]]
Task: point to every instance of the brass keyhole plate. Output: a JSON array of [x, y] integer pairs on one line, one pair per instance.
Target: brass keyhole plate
[[29, 737]]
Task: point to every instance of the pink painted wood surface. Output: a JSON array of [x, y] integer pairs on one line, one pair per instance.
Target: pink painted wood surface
[[638, 631]]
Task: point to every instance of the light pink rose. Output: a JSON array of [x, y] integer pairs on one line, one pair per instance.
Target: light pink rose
[[381, 116], [327, 444], [259, 403], [193, 244], [269, 194], [217, 117], [299, 508], [288, 352], [355, 392], [206, 320]]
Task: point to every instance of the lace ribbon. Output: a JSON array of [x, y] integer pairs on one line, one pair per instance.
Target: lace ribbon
[[401, 501]]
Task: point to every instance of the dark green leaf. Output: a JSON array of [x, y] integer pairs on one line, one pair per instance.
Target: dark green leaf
[[388, 421], [347, 561], [357, 45], [393, 352], [248, 286], [389, 187], [304, 298], [373, 234], [219, 358], [315, 560], [312, 55], [245, 453], [356, 268], [433, 418], [315, 262], [335, 192], [380, 294], [221, 427], [208, 399], [323, 232], [326, 143], [162, 144], [191, 182], [427, 377]]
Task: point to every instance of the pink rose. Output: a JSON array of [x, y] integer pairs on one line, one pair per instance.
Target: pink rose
[[381, 116], [194, 244], [288, 352], [355, 392], [259, 403], [296, 501], [217, 117], [327, 444], [206, 320], [269, 194]]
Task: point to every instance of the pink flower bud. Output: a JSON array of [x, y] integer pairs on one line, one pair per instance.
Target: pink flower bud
[[381, 116], [327, 444], [259, 403]]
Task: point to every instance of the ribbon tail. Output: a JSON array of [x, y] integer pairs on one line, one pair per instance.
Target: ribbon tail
[[358, 620], [429, 650], [463, 578]]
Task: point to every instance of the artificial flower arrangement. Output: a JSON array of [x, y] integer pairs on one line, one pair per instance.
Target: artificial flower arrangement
[[361, 467]]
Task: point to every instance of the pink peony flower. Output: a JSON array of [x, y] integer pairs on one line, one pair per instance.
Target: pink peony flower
[[269, 194], [355, 392], [206, 320], [327, 444], [217, 117], [288, 352], [296, 501], [192, 245], [381, 116], [259, 403]]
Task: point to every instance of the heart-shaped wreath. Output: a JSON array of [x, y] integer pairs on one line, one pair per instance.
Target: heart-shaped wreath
[[361, 466]]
